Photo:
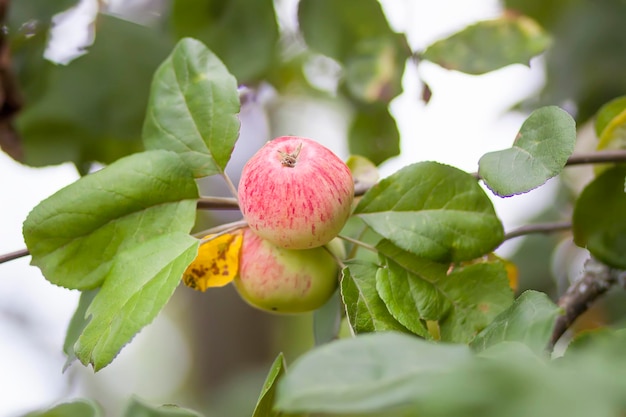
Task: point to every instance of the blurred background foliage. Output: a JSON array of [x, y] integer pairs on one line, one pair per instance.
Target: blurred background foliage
[[336, 66]]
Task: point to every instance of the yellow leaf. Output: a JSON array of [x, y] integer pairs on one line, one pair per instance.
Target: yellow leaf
[[217, 263]]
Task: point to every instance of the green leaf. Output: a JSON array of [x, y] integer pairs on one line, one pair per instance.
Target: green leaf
[[38, 11], [76, 408], [75, 234], [76, 326], [363, 171], [375, 67], [380, 373], [541, 149], [368, 373], [265, 404], [140, 282], [599, 223], [611, 128], [243, 33], [530, 320], [193, 109], [608, 112], [93, 108], [374, 134], [137, 408], [334, 28], [585, 35], [433, 210], [464, 301], [509, 380], [409, 294], [489, 45], [365, 310]]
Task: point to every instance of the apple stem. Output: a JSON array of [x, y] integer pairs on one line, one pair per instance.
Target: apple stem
[[221, 230], [217, 203], [335, 257], [289, 159], [358, 243], [230, 185]]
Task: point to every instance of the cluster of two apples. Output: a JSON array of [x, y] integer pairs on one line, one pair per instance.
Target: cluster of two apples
[[296, 196]]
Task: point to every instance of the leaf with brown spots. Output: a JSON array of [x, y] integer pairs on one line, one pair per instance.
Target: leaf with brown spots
[[216, 264]]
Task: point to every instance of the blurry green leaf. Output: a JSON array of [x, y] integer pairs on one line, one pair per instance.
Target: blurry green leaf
[[193, 109], [374, 135], [374, 69], [137, 408], [604, 344], [529, 320], [547, 13], [363, 171], [463, 301], [288, 76], [243, 33], [611, 128], [599, 223], [77, 325], [434, 211], [366, 373], [541, 149], [265, 404], [76, 408], [327, 319], [509, 380], [599, 358], [93, 108], [584, 66], [356, 33], [608, 112], [394, 375], [141, 280], [365, 310], [75, 235], [489, 45], [37, 12], [334, 28]]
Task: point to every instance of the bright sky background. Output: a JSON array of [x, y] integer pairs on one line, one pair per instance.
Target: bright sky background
[[465, 119]]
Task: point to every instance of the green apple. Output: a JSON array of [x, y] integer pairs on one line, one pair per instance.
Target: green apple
[[282, 280]]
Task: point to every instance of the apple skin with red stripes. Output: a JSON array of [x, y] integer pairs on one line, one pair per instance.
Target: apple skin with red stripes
[[287, 281], [296, 193]]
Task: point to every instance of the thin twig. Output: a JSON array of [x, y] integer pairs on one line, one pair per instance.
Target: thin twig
[[595, 157], [598, 157], [222, 228], [359, 243], [336, 258], [596, 281], [217, 203], [14, 255], [538, 228], [231, 186]]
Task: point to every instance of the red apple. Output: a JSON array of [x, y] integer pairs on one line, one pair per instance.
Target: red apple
[[296, 193], [282, 280]]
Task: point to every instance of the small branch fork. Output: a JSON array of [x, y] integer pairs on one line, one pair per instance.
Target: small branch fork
[[597, 280]]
